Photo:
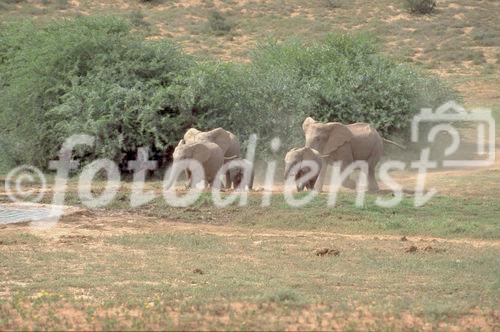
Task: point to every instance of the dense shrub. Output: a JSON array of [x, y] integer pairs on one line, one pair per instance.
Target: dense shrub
[[86, 75], [97, 76], [355, 83], [421, 6]]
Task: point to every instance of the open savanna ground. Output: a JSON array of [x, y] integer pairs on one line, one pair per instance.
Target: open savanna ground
[[459, 36], [254, 267]]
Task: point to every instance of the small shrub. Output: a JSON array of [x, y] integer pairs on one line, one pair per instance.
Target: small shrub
[[218, 23], [283, 296], [151, 2], [137, 19], [334, 3], [62, 4], [421, 6], [475, 56], [485, 37]]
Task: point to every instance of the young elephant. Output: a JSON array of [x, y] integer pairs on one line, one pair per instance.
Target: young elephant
[[297, 156], [208, 154], [237, 172], [226, 140]]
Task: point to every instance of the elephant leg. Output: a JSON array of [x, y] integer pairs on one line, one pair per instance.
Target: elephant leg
[[372, 164], [345, 154], [252, 177], [348, 182], [189, 178], [318, 186], [228, 181], [372, 182], [310, 184]]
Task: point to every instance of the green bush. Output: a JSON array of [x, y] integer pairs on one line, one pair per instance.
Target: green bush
[[88, 75], [421, 6], [95, 75]]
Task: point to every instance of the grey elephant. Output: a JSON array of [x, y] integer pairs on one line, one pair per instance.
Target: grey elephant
[[208, 154], [226, 140], [294, 159], [237, 172], [346, 143]]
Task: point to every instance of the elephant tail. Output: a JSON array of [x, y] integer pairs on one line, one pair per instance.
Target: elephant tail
[[394, 143]]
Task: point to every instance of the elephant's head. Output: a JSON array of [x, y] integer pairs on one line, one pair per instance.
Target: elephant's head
[[190, 135], [325, 137], [297, 156], [181, 142], [197, 151]]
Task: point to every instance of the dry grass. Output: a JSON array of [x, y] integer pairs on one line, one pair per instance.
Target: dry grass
[[126, 271]]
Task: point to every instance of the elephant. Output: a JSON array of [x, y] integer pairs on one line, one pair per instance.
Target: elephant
[[346, 143], [297, 156], [210, 156], [227, 141], [236, 174]]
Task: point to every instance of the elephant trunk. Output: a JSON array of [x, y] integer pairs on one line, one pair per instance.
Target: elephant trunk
[[288, 167]]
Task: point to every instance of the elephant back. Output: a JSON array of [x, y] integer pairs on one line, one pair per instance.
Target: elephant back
[[365, 139]]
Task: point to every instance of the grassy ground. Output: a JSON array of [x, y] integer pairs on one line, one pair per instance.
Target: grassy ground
[[255, 268], [158, 267]]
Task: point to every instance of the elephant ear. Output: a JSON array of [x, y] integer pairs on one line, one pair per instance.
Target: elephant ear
[[201, 152], [190, 135], [307, 122], [220, 137], [339, 135]]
